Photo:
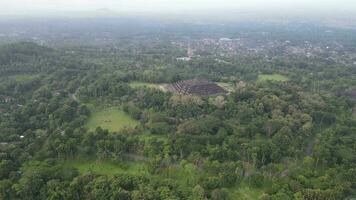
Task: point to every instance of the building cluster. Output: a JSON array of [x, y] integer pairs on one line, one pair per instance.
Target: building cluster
[[269, 49], [5, 99]]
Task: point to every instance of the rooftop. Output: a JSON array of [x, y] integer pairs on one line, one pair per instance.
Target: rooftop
[[201, 87]]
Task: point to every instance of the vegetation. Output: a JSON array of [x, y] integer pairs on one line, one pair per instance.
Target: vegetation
[[292, 138], [272, 77], [245, 192], [136, 84], [111, 119], [106, 168], [227, 86]]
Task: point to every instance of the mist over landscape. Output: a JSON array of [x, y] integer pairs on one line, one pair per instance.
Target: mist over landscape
[[177, 100], [328, 10]]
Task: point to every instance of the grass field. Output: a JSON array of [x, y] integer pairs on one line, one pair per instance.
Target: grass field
[[184, 177], [22, 77], [147, 137], [112, 119], [106, 167], [272, 77], [227, 86], [189, 177], [136, 84], [245, 192]]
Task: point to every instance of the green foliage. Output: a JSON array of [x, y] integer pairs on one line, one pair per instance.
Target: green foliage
[[272, 77], [107, 167], [275, 138], [112, 119]]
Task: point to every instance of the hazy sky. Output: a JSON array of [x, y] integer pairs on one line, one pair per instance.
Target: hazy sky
[[13, 7]]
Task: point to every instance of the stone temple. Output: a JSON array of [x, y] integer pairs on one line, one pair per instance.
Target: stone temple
[[200, 87]]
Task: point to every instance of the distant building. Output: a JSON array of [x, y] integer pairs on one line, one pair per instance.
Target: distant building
[[3, 146], [183, 59], [5, 99], [200, 87], [351, 94], [225, 39]]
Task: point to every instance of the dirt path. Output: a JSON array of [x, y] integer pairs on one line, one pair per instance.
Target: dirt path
[[74, 95]]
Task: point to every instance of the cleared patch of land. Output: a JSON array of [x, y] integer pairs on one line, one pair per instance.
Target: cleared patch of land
[[147, 137], [272, 77], [112, 119], [227, 86], [106, 167], [21, 77], [245, 192], [185, 176], [137, 84]]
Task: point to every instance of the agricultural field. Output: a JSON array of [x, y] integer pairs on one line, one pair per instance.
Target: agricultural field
[[111, 118], [272, 77]]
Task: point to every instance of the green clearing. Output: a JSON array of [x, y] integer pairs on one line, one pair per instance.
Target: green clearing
[[112, 119], [227, 86], [137, 84], [107, 167], [21, 77], [245, 192], [272, 77], [146, 137], [185, 177], [190, 175]]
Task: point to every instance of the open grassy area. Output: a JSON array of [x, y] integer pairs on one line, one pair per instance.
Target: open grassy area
[[106, 167], [245, 192], [185, 177], [227, 86], [144, 137], [20, 77], [272, 77], [189, 177], [112, 119], [137, 84]]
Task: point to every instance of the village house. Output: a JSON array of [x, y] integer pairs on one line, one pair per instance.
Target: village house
[[5, 99], [183, 59]]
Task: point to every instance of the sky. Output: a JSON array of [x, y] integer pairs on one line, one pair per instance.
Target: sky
[[16, 7]]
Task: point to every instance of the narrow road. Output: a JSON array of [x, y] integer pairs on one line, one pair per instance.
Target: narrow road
[[74, 95]]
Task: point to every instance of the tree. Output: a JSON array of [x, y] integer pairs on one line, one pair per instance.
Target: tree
[[6, 166], [6, 191], [219, 194], [198, 193]]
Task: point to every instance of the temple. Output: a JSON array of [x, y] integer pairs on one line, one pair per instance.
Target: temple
[[200, 87]]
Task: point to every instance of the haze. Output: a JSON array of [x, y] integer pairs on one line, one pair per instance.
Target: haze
[[329, 7]]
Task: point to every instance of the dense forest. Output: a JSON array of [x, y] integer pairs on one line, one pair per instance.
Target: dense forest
[[95, 121]]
